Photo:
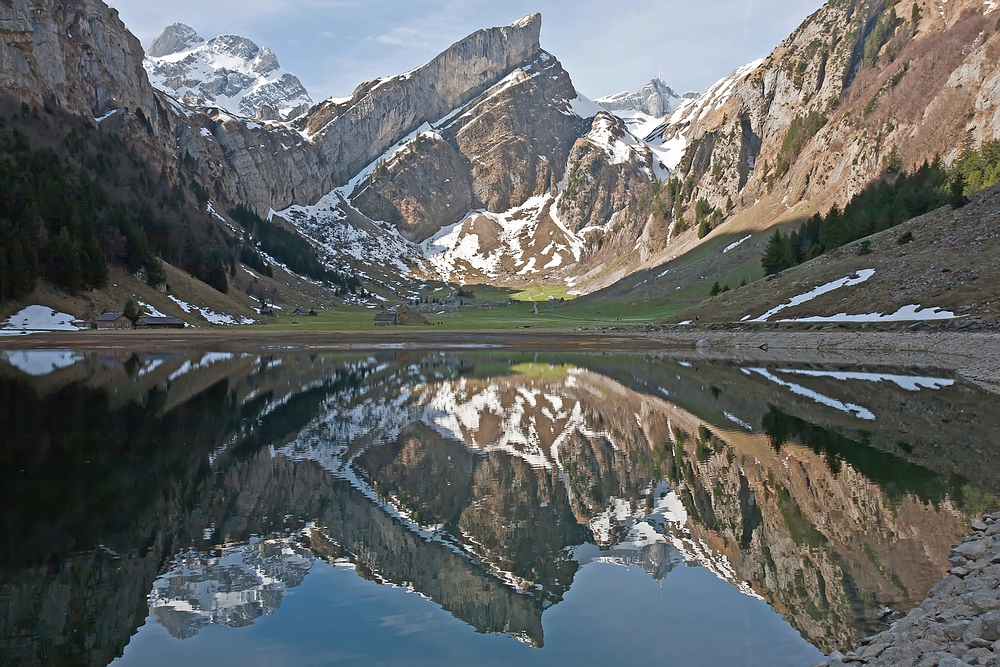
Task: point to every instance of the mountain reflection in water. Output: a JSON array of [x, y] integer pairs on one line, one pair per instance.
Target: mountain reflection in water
[[190, 491]]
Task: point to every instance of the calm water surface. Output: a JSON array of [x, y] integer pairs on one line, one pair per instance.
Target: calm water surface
[[489, 508]]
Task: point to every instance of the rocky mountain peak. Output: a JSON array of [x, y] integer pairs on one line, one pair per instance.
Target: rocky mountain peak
[[656, 99], [174, 39], [228, 71]]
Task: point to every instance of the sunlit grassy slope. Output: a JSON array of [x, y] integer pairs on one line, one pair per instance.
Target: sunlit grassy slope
[[564, 315]]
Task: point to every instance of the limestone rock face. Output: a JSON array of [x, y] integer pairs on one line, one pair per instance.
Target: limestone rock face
[[350, 135], [817, 120], [174, 39], [76, 54], [655, 99]]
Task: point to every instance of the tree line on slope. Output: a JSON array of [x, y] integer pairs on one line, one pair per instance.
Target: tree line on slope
[[76, 199], [885, 204], [71, 204], [291, 250]]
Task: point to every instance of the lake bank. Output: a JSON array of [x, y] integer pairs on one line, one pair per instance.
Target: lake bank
[[974, 355]]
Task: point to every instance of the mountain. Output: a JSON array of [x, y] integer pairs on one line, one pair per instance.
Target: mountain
[[819, 118], [484, 164], [646, 108], [229, 71]]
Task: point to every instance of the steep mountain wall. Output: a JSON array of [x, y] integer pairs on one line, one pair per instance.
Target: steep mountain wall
[[77, 55], [857, 88], [351, 134]]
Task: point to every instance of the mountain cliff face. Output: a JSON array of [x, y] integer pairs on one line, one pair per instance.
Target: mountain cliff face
[[857, 85], [229, 71], [76, 55]]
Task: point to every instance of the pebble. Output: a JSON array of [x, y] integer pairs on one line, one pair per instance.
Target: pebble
[[958, 625]]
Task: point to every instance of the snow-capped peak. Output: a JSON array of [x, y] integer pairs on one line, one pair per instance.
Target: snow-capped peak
[[655, 99], [229, 71], [646, 108]]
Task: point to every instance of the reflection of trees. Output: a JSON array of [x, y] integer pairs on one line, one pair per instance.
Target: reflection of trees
[[497, 477]]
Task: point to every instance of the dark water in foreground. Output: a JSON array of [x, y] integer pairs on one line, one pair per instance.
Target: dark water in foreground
[[472, 507]]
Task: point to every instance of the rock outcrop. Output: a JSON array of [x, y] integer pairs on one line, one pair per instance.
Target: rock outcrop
[[818, 119], [77, 56], [350, 135], [655, 99]]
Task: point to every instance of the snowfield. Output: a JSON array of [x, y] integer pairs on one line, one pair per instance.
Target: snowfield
[[40, 318]]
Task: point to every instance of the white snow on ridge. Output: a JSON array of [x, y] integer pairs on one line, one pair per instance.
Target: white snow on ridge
[[209, 314], [858, 278], [851, 408], [736, 244], [40, 362], [619, 149], [907, 382], [670, 142], [40, 318], [456, 248], [150, 310], [231, 72]]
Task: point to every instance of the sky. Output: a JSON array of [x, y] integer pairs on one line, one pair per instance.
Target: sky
[[605, 45]]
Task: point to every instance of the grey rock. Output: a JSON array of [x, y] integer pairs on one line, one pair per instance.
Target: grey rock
[[951, 661], [979, 527], [174, 38], [873, 651], [973, 550], [984, 601], [946, 587], [656, 99], [934, 659]]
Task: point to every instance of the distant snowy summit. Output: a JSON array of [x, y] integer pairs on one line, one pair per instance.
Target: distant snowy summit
[[229, 71], [644, 109]]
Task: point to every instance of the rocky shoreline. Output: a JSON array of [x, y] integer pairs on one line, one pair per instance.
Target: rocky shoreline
[[958, 625]]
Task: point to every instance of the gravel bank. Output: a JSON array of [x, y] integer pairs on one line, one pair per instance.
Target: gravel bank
[[958, 625]]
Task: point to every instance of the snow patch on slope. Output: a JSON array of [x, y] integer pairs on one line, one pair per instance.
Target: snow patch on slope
[[40, 318]]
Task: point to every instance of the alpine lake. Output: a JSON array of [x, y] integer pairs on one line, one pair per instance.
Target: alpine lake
[[473, 506]]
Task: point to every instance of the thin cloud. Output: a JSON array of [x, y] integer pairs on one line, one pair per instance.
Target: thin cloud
[[406, 38], [333, 45]]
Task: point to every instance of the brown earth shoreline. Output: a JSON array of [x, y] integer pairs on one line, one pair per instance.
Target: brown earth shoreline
[[974, 355]]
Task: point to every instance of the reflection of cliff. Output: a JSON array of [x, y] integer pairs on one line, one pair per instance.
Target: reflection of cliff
[[92, 503], [937, 423], [469, 479], [826, 544]]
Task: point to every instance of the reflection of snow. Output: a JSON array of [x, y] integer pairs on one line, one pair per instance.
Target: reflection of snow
[[244, 583], [206, 361], [907, 382], [736, 420], [659, 541], [856, 410], [40, 362], [856, 279]]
